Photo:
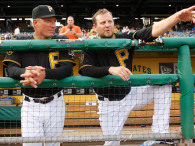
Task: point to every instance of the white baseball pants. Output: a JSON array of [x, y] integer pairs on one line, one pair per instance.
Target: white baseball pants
[[39, 120], [113, 114]]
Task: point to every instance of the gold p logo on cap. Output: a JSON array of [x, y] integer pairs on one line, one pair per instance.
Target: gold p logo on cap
[[50, 8]]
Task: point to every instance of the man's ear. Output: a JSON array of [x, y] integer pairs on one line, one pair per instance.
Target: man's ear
[[34, 22], [94, 26]]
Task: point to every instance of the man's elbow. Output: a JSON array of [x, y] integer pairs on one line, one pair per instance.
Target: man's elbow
[[13, 75], [68, 73]]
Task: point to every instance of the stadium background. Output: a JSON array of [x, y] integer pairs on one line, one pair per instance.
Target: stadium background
[[129, 12]]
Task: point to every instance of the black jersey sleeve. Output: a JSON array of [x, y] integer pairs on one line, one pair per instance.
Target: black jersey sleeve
[[60, 72], [125, 35], [93, 71], [15, 56], [14, 70], [12, 56], [144, 34], [13, 61], [87, 65]]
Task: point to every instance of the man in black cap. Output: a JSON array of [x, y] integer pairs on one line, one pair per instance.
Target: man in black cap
[[43, 109]]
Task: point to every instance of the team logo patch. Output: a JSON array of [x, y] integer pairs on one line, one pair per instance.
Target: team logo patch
[[81, 58], [10, 52], [50, 8]]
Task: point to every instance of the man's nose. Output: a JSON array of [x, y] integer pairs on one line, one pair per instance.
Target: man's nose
[[107, 24], [53, 24]]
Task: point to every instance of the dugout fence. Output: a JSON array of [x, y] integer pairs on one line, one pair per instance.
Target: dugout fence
[[185, 79]]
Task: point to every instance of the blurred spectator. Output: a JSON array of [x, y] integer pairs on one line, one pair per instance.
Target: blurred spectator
[[8, 36], [85, 33], [92, 34], [17, 30], [187, 30], [126, 29], [123, 30], [171, 35], [14, 37], [165, 35], [115, 29], [2, 37], [25, 33], [132, 29], [193, 29], [70, 30]]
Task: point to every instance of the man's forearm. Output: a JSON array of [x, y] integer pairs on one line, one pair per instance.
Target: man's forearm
[[161, 27], [63, 33], [93, 71], [60, 72], [14, 71]]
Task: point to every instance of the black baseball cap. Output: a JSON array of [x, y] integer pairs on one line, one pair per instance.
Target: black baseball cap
[[44, 11]]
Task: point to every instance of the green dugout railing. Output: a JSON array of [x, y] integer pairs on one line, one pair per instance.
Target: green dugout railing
[[92, 44], [185, 75], [84, 81]]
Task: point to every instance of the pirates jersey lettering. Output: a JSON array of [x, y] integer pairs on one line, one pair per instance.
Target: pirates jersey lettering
[[54, 59], [122, 55]]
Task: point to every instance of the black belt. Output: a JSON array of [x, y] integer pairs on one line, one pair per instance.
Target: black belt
[[42, 100], [102, 98], [40, 92]]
